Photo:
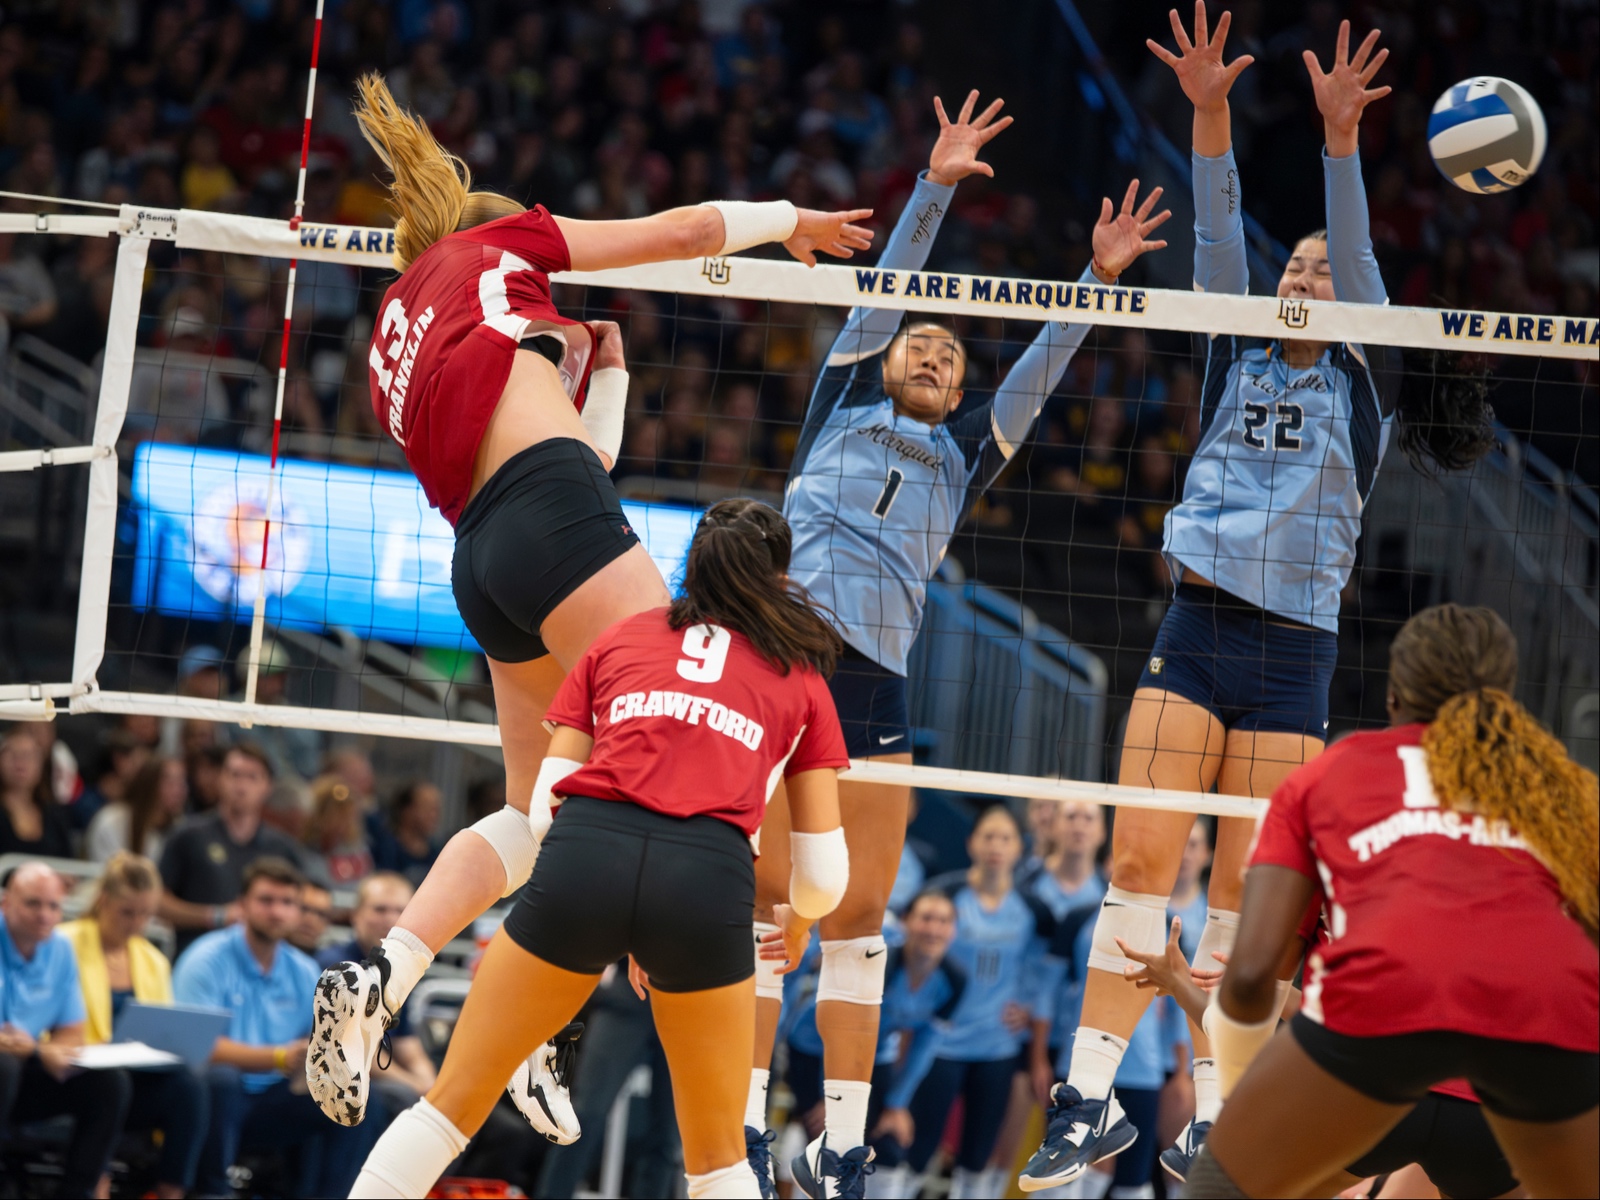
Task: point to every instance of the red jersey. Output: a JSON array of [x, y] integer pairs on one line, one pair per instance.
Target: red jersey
[[1439, 920], [693, 721], [446, 334]]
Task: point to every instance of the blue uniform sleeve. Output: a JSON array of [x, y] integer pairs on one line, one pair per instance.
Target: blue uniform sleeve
[[1355, 268], [1049, 975], [1034, 376], [924, 1039], [1220, 264], [867, 331]]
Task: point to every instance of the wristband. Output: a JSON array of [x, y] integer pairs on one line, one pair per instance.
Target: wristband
[[604, 409], [280, 1060], [746, 224], [1100, 272]]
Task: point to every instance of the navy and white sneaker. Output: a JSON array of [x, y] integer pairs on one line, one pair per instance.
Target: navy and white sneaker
[[1177, 1158], [822, 1174], [1078, 1134], [758, 1153], [540, 1087]]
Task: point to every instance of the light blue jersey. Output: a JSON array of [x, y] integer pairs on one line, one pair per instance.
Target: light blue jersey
[[1001, 951], [1287, 458], [874, 497]]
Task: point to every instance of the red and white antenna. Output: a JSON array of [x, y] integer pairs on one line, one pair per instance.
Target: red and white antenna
[[258, 618]]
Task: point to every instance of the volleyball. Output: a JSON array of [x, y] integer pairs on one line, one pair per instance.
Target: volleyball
[[1487, 135]]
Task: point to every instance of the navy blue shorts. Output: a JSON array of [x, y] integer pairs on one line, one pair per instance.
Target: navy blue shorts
[[872, 706], [1250, 670]]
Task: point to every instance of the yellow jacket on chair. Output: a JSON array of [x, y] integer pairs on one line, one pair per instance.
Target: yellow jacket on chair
[[152, 975]]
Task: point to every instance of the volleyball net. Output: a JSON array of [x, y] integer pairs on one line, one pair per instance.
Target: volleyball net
[[1040, 619]]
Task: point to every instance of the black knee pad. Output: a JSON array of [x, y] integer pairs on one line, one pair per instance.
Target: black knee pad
[[1207, 1179]]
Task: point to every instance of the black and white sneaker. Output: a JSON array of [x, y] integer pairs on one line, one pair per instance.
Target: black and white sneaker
[[758, 1152], [1078, 1134], [1177, 1158], [822, 1174], [349, 1023], [540, 1087]]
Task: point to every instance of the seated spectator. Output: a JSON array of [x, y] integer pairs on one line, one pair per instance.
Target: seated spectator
[[380, 900], [336, 832], [316, 914], [408, 843], [154, 802], [203, 863], [199, 676], [116, 964], [122, 756], [43, 1026], [204, 768], [31, 822], [265, 985]]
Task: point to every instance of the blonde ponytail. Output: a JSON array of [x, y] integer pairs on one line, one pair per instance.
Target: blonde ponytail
[[432, 188]]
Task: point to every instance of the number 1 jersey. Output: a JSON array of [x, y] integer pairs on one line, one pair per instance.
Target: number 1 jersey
[[693, 722]]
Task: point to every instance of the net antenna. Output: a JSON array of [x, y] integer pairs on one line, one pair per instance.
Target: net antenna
[[259, 615]]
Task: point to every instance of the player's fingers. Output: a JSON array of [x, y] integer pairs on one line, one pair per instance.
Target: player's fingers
[[1105, 211], [1341, 46], [1185, 46], [938, 111], [1129, 196], [988, 114], [1375, 94], [982, 168], [1177, 928], [1143, 212], [1220, 38], [1161, 52], [1312, 65], [1374, 66], [1236, 68], [1146, 247], [1200, 24], [988, 134], [1155, 222], [966, 109], [1364, 50]]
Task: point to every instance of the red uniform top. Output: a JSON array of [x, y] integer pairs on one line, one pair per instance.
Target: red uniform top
[[446, 334], [1439, 920], [693, 721]]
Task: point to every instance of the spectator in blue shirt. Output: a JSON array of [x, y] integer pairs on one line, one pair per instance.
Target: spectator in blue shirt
[[41, 1026], [266, 985]]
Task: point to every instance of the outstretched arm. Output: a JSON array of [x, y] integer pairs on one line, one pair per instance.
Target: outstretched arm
[[702, 229], [1219, 257], [1342, 96], [955, 156]]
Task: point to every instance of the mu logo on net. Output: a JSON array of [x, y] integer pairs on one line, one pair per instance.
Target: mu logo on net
[[717, 270], [1294, 313]]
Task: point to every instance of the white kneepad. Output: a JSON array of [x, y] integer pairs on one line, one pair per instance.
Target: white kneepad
[[1222, 927], [769, 984], [1138, 918], [852, 970], [511, 837]]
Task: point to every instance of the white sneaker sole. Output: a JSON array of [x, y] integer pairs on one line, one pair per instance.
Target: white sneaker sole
[[550, 1114], [339, 1058]]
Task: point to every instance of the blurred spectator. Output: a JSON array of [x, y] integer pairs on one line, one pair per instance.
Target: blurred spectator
[[1189, 893], [65, 781], [117, 964], [27, 293], [336, 832], [408, 843], [31, 822], [204, 861], [204, 767], [199, 676], [122, 756], [175, 396], [295, 753], [316, 914], [1071, 877], [354, 768], [380, 900], [250, 971], [43, 1024], [155, 800]]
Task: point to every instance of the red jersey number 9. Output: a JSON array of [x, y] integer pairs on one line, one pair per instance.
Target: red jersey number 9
[[707, 650]]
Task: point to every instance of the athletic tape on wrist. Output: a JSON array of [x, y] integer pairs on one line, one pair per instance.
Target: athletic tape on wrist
[[852, 970], [819, 872], [542, 804], [1221, 928], [769, 984], [746, 224], [604, 409], [1138, 918], [1234, 1044], [511, 837]]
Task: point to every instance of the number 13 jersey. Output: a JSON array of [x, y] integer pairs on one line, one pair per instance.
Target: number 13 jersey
[[447, 331], [693, 722]]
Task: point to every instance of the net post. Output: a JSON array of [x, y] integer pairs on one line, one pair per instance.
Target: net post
[[99, 540]]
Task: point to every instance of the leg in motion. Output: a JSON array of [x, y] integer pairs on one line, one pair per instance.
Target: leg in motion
[[1558, 1158]]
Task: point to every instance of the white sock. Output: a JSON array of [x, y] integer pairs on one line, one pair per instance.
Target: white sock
[[409, 959], [1140, 1192], [1096, 1055], [737, 1182], [993, 1181], [755, 1108], [1207, 1090], [845, 1113], [967, 1185], [1096, 1183], [891, 1183], [410, 1156]]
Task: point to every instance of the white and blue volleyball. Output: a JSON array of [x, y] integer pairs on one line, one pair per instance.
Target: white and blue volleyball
[[1487, 135]]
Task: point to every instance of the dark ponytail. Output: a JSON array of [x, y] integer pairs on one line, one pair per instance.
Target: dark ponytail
[[1443, 415], [736, 578]]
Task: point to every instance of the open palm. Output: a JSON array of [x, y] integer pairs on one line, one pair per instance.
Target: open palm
[[1342, 93], [1199, 67], [1119, 239], [955, 154]]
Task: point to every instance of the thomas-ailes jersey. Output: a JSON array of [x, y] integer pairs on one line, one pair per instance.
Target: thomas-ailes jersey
[[693, 721], [446, 334], [1437, 919]]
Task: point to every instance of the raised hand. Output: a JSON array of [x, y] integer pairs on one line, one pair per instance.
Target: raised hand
[[832, 233], [955, 154], [1119, 239], [1199, 67], [1165, 971], [1342, 93]]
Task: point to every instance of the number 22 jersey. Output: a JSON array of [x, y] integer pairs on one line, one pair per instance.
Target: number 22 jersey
[[693, 722], [447, 331]]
